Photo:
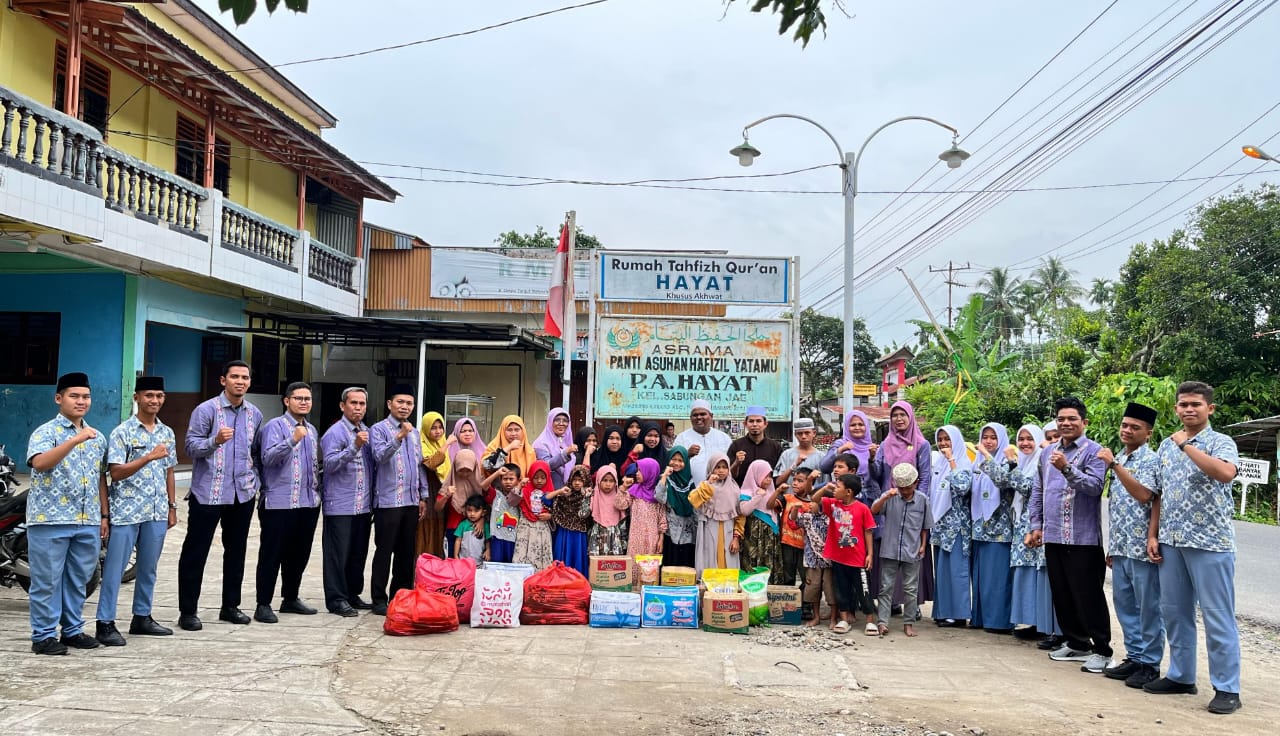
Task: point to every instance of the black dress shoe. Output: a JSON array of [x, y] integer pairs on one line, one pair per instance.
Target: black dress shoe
[[344, 610], [1051, 643], [264, 614], [379, 609], [80, 641], [296, 606], [360, 604], [147, 626], [48, 646], [233, 616], [189, 622], [107, 634]]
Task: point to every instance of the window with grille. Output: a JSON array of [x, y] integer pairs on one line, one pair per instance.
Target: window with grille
[[31, 341], [189, 162], [95, 90]]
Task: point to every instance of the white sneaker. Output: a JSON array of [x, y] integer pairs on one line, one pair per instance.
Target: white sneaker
[[1066, 654], [1095, 663]]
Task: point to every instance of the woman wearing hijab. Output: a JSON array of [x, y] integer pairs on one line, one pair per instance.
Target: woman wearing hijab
[[633, 428], [761, 543], [720, 525], [991, 503], [465, 436], [464, 481], [556, 448], [855, 441], [648, 517], [609, 504], [1032, 602], [651, 443], [952, 527], [611, 450], [510, 445], [588, 450], [904, 444], [431, 527], [682, 528]]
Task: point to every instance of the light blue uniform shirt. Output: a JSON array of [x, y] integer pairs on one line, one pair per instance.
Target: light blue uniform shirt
[[142, 496], [1130, 519], [1195, 510], [67, 494]]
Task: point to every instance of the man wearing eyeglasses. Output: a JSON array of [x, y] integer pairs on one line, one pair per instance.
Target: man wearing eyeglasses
[[289, 505]]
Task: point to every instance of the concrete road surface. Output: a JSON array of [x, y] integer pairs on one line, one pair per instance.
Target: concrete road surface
[[1258, 572]]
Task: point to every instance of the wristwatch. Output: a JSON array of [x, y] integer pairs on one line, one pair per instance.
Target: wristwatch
[[173, 506], [1183, 444]]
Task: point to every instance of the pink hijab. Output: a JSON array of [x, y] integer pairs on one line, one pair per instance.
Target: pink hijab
[[723, 505], [603, 506], [477, 445], [753, 496], [901, 447]]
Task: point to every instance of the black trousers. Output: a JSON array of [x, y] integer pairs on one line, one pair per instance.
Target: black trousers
[[849, 593], [1076, 576], [346, 547], [677, 555], [395, 531], [285, 547], [202, 522]]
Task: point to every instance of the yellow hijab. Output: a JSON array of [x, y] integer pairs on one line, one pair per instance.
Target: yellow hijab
[[525, 456], [431, 447]]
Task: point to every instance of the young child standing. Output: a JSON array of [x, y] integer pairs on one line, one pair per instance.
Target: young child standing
[[819, 580], [720, 523], [533, 530], [797, 496], [904, 538], [761, 546], [503, 515], [472, 535], [461, 484], [648, 515], [571, 515], [682, 528], [608, 535], [849, 547]]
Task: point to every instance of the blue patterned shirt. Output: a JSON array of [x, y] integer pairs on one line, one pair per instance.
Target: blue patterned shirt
[[1020, 555], [143, 496], [994, 477], [956, 525], [1067, 504], [67, 494], [815, 538], [1129, 518], [1195, 510], [290, 471]]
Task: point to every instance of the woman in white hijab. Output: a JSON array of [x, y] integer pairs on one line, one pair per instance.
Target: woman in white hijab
[[1032, 601], [952, 467]]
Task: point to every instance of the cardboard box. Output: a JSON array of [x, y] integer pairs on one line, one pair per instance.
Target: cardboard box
[[669, 607], [612, 610], [726, 612], [611, 573], [784, 605], [679, 576]]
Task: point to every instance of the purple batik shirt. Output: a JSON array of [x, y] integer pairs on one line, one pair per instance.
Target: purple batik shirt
[[223, 474], [401, 477], [1067, 504], [290, 470], [348, 471]]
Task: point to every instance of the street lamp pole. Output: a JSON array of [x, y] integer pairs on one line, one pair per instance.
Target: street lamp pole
[[953, 157]]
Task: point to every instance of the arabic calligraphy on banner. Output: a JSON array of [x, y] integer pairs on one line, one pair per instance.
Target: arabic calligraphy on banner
[[657, 367]]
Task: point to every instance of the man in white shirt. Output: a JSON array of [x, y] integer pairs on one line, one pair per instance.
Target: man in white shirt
[[702, 439]]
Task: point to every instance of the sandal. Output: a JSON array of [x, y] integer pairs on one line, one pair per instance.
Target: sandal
[[871, 629], [841, 627]]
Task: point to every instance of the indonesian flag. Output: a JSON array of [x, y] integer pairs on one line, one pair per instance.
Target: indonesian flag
[[558, 320]]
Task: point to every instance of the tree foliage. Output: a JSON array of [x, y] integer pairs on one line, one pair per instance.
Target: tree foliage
[[540, 238], [806, 16], [242, 10], [822, 351]]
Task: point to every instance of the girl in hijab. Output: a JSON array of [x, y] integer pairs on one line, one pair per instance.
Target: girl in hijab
[[991, 503], [904, 444], [648, 517], [1032, 602], [611, 450], [1050, 434], [609, 503], [761, 543], [533, 530], [556, 448], [571, 516], [463, 482], [952, 526], [651, 444], [633, 426], [511, 445], [432, 527], [855, 441], [720, 525], [588, 450], [682, 528]]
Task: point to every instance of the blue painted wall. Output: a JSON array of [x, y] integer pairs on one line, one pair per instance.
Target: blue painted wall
[[174, 352], [92, 308], [163, 303]]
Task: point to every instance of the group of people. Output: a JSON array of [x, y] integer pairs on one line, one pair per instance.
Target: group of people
[[1000, 533]]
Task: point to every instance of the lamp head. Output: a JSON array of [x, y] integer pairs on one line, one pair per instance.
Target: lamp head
[[953, 156], [1258, 153], [745, 153]]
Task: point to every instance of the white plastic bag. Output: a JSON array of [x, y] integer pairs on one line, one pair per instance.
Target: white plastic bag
[[499, 596]]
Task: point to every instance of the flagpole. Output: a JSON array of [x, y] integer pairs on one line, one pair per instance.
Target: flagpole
[[569, 327]]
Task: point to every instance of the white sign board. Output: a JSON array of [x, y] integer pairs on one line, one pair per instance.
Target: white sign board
[[695, 278], [1249, 472], [467, 273]]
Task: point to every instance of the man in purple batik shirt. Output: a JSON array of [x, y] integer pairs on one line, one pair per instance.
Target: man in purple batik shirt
[[348, 504], [1066, 516], [400, 493], [224, 481]]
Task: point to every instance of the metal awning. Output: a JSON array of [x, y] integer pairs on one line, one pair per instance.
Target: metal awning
[[382, 332], [1257, 436]]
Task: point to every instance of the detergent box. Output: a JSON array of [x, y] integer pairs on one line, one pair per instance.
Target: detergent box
[[613, 610], [669, 607], [611, 573]]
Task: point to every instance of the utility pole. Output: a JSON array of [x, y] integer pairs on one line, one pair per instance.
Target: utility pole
[[951, 270]]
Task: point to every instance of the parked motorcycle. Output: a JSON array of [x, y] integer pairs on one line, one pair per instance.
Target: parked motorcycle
[[8, 473]]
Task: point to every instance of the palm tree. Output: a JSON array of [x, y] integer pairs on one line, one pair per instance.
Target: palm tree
[[1101, 291], [1031, 307], [1000, 295], [1057, 284]]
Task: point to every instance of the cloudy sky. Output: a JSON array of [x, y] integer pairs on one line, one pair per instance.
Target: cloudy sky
[[645, 89]]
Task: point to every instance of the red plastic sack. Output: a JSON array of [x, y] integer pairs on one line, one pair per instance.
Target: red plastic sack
[[454, 578], [414, 612], [556, 595]]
